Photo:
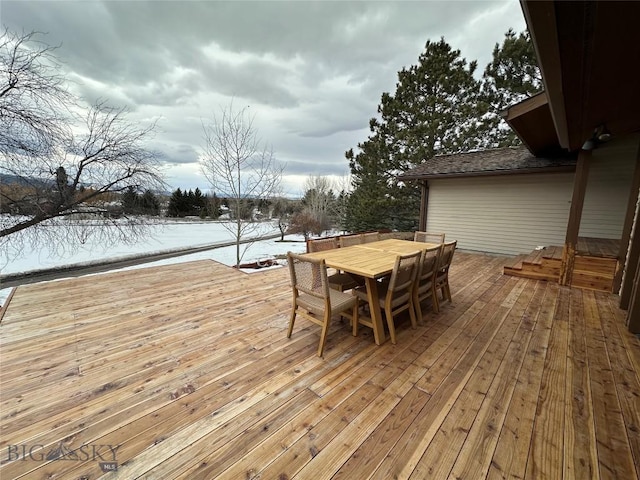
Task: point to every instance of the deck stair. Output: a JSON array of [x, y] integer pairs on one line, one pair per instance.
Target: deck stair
[[594, 266], [542, 264]]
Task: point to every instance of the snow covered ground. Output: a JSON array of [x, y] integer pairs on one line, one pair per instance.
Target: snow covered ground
[[169, 236]]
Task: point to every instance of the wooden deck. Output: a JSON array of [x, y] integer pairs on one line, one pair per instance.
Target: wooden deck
[[185, 371]]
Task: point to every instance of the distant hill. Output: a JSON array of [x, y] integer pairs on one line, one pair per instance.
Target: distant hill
[[39, 182], [12, 179]]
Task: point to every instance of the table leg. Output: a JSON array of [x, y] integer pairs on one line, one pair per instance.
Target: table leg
[[376, 312]]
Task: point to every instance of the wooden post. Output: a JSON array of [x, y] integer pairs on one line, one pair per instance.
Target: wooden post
[[633, 315], [424, 204], [633, 257], [575, 215], [626, 229]]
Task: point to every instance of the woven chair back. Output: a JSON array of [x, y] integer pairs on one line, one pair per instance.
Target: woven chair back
[[308, 275]]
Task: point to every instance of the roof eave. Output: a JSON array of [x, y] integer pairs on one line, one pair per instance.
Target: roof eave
[[489, 173], [532, 122]]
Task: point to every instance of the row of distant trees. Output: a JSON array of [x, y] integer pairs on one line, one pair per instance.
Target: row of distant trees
[[135, 203], [191, 203], [319, 210], [184, 203]]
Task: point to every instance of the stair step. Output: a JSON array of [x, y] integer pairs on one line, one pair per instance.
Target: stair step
[[529, 274], [553, 253], [515, 262], [536, 256]]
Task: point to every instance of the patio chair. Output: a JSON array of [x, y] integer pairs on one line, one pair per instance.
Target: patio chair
[[395, 295], [402, 235], [349, 240], [321, 244], [370, 237], [340, 280], [428, 237], [424, 286], [312, 297], [442, 274]]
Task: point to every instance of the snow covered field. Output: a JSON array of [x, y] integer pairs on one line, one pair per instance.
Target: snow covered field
[[167, 237]]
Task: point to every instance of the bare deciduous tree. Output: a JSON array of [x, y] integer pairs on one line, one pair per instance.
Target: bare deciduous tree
[[34, 103], [343, 186], [239, 167], [283, 209], [318, 198], [305, 224], [319, 201], [56, 166]]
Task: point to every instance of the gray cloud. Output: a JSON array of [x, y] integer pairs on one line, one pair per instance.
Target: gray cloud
[[313, 72], [175, 154]]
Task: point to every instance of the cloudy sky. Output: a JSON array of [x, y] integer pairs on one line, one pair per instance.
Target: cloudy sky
[[312, 73]]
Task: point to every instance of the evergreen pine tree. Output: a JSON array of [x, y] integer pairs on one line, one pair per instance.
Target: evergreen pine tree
[[150, 205], [433, 111], [198, 202], [512, 76], [176, 206], [130, 201], [368, 207]]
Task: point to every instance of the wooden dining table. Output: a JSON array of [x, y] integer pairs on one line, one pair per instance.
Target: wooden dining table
[[372, 261]]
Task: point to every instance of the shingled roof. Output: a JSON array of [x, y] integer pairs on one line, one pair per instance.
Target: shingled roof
[[498, 161]]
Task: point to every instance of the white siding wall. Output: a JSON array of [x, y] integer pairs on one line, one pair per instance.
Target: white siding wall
[[607, 194], [508, 214]]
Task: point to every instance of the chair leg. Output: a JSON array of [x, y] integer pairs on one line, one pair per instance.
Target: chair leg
[[412, 313], [418, 308], [446, 291], [292, 320], [434, 297], [392, 327], [323, 334], [355, 320]]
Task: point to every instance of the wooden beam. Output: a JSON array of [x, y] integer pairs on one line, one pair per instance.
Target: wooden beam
[[575, 214], [424, 204], [628, 224], [525, 106]]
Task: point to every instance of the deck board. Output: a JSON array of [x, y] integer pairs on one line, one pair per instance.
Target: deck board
[[580, 459], [614, 451], [186, 371], [511, 452], [625, 378]]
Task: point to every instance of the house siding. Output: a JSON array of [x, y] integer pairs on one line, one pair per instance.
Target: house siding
[[508, 214], [608, 186]]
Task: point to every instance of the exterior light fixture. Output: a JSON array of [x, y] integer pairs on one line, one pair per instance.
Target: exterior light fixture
[[603, 134]]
